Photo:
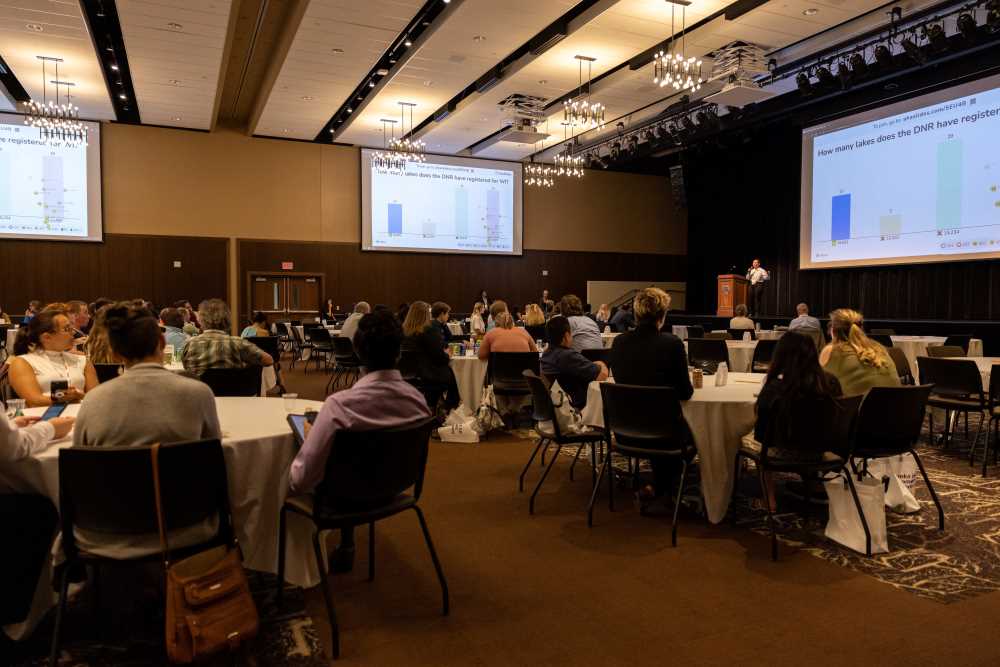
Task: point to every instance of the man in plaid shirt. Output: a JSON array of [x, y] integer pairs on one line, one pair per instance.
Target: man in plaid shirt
[[215, 348]]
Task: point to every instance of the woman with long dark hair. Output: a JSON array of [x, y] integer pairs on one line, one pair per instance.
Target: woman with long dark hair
[[43, 348]]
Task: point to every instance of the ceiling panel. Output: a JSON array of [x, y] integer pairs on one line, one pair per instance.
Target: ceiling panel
[[57, 28], [452, 58], [315, 80], [175, 50]]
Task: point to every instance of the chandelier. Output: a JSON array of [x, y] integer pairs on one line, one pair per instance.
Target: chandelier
[[569, 165], [580, 111], [540, 175], [396, 152], [673, 68], [566, 165], [55, 121]]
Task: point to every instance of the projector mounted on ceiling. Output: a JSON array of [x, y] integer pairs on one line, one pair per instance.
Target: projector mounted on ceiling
[[739, 64], [521, 125]]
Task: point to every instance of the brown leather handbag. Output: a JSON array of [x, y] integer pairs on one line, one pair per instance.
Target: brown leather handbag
[[209, 606]]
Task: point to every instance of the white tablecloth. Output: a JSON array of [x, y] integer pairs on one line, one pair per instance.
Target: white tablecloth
[[455, 328], [718, 417], [916, 346], [258, 447], [608, 339], [469, 373], [680, 330], [765, 334], [11, 335], [268, 378], [740, 354]]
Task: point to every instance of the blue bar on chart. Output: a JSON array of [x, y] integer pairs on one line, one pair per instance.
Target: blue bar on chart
[[461, 213], [949, 184], [395, 219], [840, 220]]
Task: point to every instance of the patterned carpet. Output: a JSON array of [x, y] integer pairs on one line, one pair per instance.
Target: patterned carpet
[[135, 638]]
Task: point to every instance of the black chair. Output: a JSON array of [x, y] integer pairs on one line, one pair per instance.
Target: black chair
[[4, 328], [110, 490], [708, 352], [6, 389], [299, 345], [31, 521], [716, 335], [107, 372], [882, 339], [322, 346], [961, 340], [762, 355], [598, 354], [817, 336], [958, 389], [941, 351], [272, 346], [890, 422], [643, 423], [883, 332], [536, 331], [737, 334], [505, 373], [233, 381], [823, 426], [409, 368], [346, 365], [695, 331], [902, 365], [993, 427], [549, 432], [368, 474]]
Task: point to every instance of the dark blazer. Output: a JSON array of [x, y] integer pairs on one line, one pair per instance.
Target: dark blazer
[[424, 355], [648, 357], [442, 329]]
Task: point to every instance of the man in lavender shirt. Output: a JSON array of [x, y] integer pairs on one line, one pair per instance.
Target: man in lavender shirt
[[380, 399]]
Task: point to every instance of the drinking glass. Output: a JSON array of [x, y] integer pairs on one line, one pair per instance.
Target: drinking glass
[[15, 407], [291, 402]]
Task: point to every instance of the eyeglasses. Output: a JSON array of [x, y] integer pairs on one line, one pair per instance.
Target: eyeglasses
[[67, 329]]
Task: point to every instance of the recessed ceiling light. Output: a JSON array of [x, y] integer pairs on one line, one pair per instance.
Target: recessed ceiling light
[[114, 67], [407, 43], [34, 27], [175, 26], [542, 82], [122, 96], [428, 83], [478, 38], [307, 98], [350, 110], [284, 129], [336, 51], [812, 11], [177, 118], [371, 84], [174, 82]]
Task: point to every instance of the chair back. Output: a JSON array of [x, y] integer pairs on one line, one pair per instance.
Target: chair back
[[903, 369], [994, 388], [268, 344], [543, 409], [110, 489], [343, 352], [598, 354], [816, 334], [6, 389], [320, 336], [642, 417], [536, 331], [883, 332], [716, 335], [951, 377], [233, 381], [107, 372], [961, 340], [885, 340], [737, 334], [369, 468], [945, 351], [890, 419], [505, 371], [711, 350], [696, 331], [819, 424], [309, 329], [762, 355]]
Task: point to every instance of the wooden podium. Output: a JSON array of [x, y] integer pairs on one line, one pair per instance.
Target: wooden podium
[[732, 292]]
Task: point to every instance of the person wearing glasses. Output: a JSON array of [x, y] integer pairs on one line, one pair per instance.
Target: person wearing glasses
[[44, 355]]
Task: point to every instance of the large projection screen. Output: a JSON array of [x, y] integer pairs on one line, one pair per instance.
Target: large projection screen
[[49, 190], [444, 204], [912, 182]]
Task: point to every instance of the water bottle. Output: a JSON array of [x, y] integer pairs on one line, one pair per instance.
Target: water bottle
[[721, 375], [607, 329], [746, 336]]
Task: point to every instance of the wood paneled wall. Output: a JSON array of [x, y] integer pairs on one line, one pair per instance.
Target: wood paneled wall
[[124, 266], [391, 278]]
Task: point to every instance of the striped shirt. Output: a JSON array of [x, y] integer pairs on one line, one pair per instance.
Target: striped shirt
[[217, 349]]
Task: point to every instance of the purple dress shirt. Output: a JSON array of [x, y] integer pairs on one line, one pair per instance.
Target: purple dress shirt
[[380, 399]]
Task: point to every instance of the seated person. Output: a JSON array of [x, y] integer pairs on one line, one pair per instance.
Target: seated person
[[803, 319], [505, 337], [34, 307], [98, 347], [145, 405], [476, 323], [562, 363], [440, 312], [425, 355], [533, 316], [190, 328], [22, 437], [361, 308], [257, 327], [741, 321], [603, 316], [215, 348], [173, 323], [43, 348], [380, 399], [496, 308], [586, 334], [623, 319], [858, 362]]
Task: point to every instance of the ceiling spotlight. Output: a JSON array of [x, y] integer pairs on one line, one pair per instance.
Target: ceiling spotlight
[[177, 118], [478, 38], [336, 51], [858, 64], [937, 37], [967, 26], [350, 110], [844, 74], [371, 84], [802, 81], [407, 43], [883, 56], [122, 96], [307, 98], [825, 76], [175, 26], [114, 68], [34, 27], [913, 51], [812, 11]]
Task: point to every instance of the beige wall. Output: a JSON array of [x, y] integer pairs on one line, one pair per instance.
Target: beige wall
[[161, 181]]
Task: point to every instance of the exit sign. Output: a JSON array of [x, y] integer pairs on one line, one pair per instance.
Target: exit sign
[[287, 266]]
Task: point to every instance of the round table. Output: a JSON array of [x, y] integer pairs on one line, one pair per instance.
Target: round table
[[765, 334], [719, 417], [259, 448], [608, 338], [916, 346], [470, 371]]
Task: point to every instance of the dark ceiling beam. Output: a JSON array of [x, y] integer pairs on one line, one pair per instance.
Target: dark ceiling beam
[[109, 44], [15, 91]]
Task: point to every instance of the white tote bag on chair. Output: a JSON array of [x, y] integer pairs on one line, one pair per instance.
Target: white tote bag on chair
[[901, 471], [844, 526]]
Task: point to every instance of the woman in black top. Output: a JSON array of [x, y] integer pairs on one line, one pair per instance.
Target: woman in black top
[[424, 359]]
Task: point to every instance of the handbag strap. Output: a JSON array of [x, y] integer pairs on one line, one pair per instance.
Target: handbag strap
[[154, 452]]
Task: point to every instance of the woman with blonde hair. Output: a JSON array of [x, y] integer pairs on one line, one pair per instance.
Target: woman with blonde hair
[[533, 315], [858, 362], [477, 324], [603, 316], [98, 347], [424, 357]]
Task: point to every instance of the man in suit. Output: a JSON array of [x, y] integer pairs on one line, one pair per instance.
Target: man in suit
[[440, 312], [757, 277]]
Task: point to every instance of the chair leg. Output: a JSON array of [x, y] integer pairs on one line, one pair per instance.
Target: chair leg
[[861, 515], [371, 551], [60, 612], [520, 480], [770, 515], [930, 488], [611, 476], [445, 602], [677, 504], [552, 460], [327, 596], [576, 457], [282, 537], [597, 487]]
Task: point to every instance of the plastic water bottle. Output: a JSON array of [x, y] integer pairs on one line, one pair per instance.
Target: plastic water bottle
[[722, 375], [607, 329], [746, 336]]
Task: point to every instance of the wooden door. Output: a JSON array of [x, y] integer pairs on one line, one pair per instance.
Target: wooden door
[[303, 296], [268, 295], [283, 296]]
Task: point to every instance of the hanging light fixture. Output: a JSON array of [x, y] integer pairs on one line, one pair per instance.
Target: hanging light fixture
[[411, 149], [675, 68], [580, 111], [566, 164], [56, 121], [539, 175], [388, 158]]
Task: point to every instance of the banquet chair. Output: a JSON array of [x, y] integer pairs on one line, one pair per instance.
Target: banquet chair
[[110, 490], [890, 422], [107, 372], [322, 344], [368, 476], [6, 388], [598, 354], [993, 426], [708, 352], [4, 328], [816, 334], [233, 381], [346, 365], [272, 346], [762, 355], [696, 331], [643, 423], [31, 521], [299, 344], [409, 368], [902, 365], [940, 351], [714, 335], [550, 433], [884, 340], [737, 334], [823, 426], [958, 389], [505, 373], [536, 331], [961, 340], [883, 332]]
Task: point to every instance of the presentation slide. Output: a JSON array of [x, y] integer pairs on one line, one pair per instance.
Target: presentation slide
[[445, 204], [49, 190], [916, 181]]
